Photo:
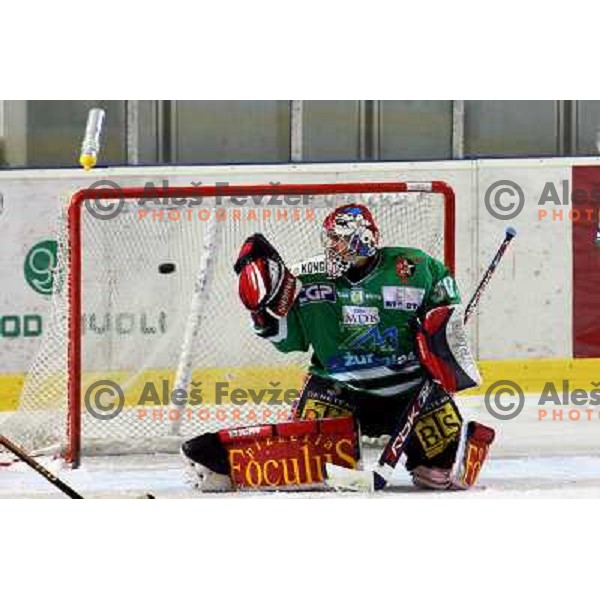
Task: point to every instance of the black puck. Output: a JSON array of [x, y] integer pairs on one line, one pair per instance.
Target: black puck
[[166, 268]]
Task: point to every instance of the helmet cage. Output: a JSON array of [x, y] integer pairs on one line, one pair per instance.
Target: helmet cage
[[349, 232]]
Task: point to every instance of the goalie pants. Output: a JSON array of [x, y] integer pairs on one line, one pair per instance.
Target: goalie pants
[[434, 441]]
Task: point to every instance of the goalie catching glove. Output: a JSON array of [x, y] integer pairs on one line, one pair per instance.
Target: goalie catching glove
[[266, 286]]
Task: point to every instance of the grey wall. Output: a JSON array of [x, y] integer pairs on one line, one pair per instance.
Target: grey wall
[[43, 133], [330, 130], [588, 127], [511, 128], [415, 130], [231, 131], [48, 133]]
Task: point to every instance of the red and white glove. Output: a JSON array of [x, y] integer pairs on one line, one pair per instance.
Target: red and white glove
[[266, 286]]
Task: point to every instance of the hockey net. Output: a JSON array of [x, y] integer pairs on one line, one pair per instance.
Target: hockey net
[[145, 310]]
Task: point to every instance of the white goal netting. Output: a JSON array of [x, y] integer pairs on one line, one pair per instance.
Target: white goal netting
[[159, 297]]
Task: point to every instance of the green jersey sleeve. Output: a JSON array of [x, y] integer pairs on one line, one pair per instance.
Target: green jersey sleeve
[[444, 290], [292, 337]]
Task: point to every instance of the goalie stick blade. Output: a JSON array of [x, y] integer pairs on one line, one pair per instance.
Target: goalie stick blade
[[343, 479]]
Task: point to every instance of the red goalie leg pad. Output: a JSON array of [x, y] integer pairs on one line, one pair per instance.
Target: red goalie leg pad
[[289, 455], [473, 450]]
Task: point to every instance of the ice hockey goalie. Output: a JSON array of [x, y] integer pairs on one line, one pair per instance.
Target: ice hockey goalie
[[360, 308]]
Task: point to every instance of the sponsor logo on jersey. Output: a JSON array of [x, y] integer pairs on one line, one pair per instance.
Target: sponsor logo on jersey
[[372, 339], [351, 362], [310, 267], [317, 292], [405, 268], [402, 298], [360, 315], [358, 296]]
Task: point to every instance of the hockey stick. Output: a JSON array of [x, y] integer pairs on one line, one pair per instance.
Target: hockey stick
[[343, 478], [508, 236], [36, 466], [53, 479]]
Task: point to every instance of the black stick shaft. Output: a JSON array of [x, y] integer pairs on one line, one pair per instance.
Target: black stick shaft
[[36, 466], [510, 234]]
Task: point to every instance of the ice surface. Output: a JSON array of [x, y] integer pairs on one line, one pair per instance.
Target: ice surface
[[531, 459], [130, 476]]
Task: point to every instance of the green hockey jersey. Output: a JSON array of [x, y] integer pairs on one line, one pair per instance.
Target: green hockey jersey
[[360, 332]]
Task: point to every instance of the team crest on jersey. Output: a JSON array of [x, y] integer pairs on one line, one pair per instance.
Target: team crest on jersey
[[404, 267], [357, 296]]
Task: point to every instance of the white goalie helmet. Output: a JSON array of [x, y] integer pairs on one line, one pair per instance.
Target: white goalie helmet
[[349, 232]]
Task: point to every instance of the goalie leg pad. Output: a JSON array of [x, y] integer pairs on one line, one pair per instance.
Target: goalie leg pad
[[436, 434], [288, 455], [472, 451], [321, 399], [206, 466]]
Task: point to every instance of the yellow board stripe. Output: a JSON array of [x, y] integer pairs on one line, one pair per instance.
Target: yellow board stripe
[[533, 374], [10, 390], [530, 374], [154, 386]]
